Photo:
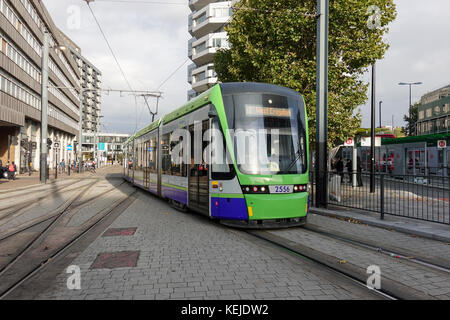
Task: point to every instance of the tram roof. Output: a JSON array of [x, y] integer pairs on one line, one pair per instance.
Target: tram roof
[[205, 97]]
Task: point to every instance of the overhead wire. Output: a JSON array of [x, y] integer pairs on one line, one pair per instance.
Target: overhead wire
[[115, 58]]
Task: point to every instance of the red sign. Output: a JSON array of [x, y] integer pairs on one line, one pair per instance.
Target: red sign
[[349, 142], [442, 144]]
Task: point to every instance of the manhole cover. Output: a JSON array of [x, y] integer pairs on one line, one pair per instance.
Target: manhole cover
[[111, 260], [119, 232]]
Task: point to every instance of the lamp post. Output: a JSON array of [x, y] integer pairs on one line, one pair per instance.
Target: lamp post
[[380, 112], [409, 84]]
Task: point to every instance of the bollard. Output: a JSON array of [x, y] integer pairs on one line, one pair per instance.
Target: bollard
[[382, 196]]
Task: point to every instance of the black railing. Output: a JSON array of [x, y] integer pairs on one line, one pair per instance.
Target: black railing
[[419, 197]]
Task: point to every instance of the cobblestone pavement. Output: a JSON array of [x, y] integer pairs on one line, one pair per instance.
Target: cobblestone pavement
[[424, 279], [186, 256], [429, 250]]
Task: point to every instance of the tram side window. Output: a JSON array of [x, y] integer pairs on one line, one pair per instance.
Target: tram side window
[[152, 154], [165, 154], [221, 166], [178, 167]]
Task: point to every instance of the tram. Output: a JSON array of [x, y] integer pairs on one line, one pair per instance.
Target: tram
[[238, 153]]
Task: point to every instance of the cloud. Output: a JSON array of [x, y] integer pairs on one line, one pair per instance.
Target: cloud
[[149, 41], [418, 52]]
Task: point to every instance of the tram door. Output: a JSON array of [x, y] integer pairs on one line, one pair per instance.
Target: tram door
[[146, 160], [199, 173]]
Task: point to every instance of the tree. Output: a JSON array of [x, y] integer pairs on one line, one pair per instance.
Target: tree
[[411, 121], [274, 42]]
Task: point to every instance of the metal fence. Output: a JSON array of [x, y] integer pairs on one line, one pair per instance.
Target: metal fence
[[419, 197]]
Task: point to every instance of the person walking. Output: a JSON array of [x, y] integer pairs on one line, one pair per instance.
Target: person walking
[[62, 165], [12, 171], [359, 171], [349, 167], [340, 169]]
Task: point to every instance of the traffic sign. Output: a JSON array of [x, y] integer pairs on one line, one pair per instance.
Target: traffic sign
[[442, 144], [69, 147], [349, 143]]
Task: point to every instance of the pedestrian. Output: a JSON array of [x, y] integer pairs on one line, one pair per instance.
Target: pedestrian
[[359, 170], [349, 167], [62, 165], [12, 171], [340, 168]]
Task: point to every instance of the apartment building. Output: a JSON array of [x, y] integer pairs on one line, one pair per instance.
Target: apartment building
[[434, 112], [22, 27], [109, 146], [206, 25]]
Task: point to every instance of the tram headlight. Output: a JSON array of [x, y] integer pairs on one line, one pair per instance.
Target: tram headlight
[[301, 188], [255, 189]]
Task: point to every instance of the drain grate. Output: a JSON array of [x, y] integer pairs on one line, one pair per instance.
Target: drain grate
[[112, 260], [112, 232]]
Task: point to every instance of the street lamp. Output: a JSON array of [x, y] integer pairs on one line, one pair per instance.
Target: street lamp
[[409, 84]]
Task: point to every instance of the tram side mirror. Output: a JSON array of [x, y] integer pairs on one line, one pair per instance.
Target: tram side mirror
[[212, 113]]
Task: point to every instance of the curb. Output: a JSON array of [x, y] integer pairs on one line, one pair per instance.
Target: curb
[[381, 224]]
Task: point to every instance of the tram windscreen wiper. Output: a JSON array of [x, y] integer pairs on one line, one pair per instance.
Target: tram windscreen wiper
[[298, 154]]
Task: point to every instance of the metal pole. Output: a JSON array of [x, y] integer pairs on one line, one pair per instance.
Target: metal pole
[[382, 196], [322, 104], [372, 137], [410, 120], [355, 166], [80, 128], [56, 162], [380, 112], [44, 107]]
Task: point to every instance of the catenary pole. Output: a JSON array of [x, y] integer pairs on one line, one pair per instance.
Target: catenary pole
[[322, 104], [44, 108], [372, 133]]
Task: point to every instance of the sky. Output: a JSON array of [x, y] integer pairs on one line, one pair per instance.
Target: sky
[[150, 42]]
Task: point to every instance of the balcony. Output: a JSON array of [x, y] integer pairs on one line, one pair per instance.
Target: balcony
[[203, 78], [191, 68], [210, 19], [195, 5], [204, 49]]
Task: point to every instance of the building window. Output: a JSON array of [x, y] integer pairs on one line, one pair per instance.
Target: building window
[[437, 110], [429, 112], [421, 115]]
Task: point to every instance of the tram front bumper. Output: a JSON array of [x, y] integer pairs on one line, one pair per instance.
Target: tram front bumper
[[276, 206]]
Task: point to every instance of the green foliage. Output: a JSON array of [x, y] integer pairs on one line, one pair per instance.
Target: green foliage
[[411, 121], [275, 42]]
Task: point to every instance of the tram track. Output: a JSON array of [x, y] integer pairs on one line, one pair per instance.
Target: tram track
[[407, 256], [299, 252], [7, 211], [392, 288], [39, 220], [30, 259]]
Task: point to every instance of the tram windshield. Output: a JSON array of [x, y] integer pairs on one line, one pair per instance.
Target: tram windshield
[[268, 133]]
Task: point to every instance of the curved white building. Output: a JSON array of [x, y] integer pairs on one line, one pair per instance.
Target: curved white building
[[206, 25]]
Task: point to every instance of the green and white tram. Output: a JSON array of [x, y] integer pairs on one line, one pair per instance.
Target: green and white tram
[[237, 153]]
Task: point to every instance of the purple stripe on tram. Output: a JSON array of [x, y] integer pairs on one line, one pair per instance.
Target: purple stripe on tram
[[229, 208], [175, 194]]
